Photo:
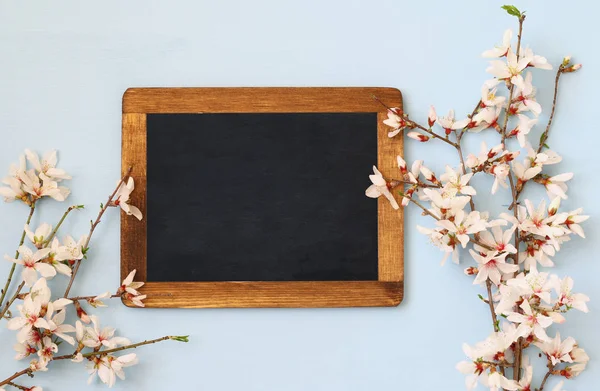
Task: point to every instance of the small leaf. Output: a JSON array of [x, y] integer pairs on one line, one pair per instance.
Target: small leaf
[[101, 205], [512, 10], [180, 338], [480, 297], [546, 146], [504, 316], [79, 206]]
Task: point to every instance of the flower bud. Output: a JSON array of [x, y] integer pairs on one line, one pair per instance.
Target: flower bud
[[418, 136], [573, 68], [432, 116], [470, 271], [566, 61]]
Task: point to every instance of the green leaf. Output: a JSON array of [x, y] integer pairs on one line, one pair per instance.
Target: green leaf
[[481, 297], [546, 146], [101, 205], [180, 338], [79, 206], [512, 10]]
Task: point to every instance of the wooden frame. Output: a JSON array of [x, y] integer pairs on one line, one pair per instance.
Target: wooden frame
[[387, 291]]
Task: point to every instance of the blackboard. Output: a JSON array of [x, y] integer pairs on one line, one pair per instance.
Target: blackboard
[[255, 197], [261, 197]]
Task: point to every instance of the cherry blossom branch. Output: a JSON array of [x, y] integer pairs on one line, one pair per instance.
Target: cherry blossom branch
[[93, 227], [491, 305], [12, 299], [431, 132], [427, 212], [397, 182], [8, 380], [14, 265], [544, 136], [62, 219], [28, 371], [546, 377], [18, 386], [133, 346], [80, 298]]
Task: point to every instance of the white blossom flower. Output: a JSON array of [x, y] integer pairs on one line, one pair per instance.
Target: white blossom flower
[[571, 220], [30, 317], [538, 223], [47, 350], [523, 128], [463, 225], [443, 207], [97, 337], [525, 97], [500, 241], [109, 367], [531, 322], [536, 61], [122, 199], [566, 297], [59, 264], [555, 185], [40, 235], [380, 187], [14, 191], [57, 326], [97, 301], [38, 366], [489, 97], [456, 182], [395, 121], [24, 350], [449, 123], [491, 265], [524, 172], [532, 284], [47, 165], [500, 50], [500, 173], [556, 350], [42, 186], [71, 250], [32, 265], [510, 69]]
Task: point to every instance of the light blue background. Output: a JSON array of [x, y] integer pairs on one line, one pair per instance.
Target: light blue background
[[65, 65]]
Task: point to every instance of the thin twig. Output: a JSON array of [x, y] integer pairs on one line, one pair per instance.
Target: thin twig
[[546, 377], [62, 219], [93, 227], [544, 136], [12, 299], [80, 298], [16, 375], [103, 352], [491, 304], [14, 265]]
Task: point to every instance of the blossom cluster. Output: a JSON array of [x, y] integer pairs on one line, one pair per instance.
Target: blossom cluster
[[507, 253], [43, 322]]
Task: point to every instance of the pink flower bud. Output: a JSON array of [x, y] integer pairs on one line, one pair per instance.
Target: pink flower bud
[[573, 68], [418, 136], [432, 116], [470, 271], [401, 164]]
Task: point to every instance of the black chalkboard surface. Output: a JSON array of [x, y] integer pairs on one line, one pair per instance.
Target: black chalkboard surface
[[255, 197], [261, 197]]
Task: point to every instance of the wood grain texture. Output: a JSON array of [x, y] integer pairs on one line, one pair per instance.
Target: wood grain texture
[[388, 291], [257, 100], [259, 294], [133, 231]]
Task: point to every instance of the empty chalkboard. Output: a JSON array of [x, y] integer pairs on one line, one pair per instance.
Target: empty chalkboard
[[255, 197]]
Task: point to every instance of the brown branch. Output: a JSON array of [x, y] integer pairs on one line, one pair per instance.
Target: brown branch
[[12, 299], [8, 380], [14, 265], [79, 298], [18, 386], [491, 304], [103, 352], [431, 132], [546, 377], [93, 227], [62, 219], [544, 136], [397, 182]]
